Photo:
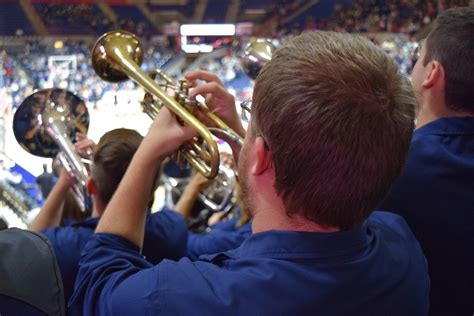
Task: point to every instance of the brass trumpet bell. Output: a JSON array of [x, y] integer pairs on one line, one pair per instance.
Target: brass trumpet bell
[[45, 125], [257, 55], [34, 115], [104, 65]]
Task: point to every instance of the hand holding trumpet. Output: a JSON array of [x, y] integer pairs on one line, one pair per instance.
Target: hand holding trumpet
[[218, 99]]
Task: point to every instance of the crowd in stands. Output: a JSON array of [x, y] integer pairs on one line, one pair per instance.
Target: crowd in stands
[[31, 70], [76, 18], [363, 16], [139, 28], [86, 19]]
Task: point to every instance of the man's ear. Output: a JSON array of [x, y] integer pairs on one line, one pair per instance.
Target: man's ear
[[434, 73], [263, 159], [91, 186]]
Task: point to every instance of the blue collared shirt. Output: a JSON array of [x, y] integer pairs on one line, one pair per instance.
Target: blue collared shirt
[[222, 236], [376, 269], [435, 195], [165, 237]]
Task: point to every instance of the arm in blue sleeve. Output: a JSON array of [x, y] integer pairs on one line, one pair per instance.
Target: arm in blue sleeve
[[166, 234], [216, 241], [113, 278]]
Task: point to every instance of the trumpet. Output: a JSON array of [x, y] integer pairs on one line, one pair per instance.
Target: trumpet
[[45, 125], [256, 55], [117, 56]]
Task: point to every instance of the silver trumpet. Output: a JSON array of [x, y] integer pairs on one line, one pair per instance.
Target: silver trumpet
[[45, 125]]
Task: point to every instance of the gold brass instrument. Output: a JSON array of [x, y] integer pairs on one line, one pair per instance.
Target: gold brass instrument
[[45, 125], [256, 55], [117, 55], [218, 196]]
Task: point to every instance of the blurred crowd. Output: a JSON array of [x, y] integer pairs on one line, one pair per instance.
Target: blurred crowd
[[32, 69], [407, 16], [23, 72], [76, 18], [85, 19]]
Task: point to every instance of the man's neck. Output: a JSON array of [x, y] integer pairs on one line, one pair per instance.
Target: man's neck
[[95, 213], [97, 207], [272, 219], [429, 114]]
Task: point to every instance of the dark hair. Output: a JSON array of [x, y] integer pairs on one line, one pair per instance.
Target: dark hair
[[112, 156], [337, 117], [451, 43]]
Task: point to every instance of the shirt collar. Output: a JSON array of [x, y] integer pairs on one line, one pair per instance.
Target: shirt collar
[[452, 125], [292, 244]]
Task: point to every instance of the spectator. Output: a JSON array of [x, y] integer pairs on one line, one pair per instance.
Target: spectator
[[46, 181]]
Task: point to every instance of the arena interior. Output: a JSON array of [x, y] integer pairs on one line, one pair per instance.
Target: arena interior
[[60, 87]]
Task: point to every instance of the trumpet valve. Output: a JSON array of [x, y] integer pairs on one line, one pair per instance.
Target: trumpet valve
[[184, 86]]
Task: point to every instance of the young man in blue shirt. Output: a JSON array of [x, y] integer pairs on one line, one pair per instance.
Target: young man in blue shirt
[[435, 192], [330, 128], [165, 234]]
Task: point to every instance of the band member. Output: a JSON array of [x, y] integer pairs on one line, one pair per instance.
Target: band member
[[225, 234], [165, 231], [330, 129], [435, 193]]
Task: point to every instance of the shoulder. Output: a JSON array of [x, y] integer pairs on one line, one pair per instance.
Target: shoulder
[[166, 221], [391, 224], [68, 236]]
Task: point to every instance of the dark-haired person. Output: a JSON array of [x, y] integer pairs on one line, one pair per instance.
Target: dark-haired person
[[45, 181], [435, 192], [331, 125], [165, 233]]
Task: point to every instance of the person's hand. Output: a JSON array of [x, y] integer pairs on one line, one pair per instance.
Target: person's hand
[[219, 101], [228, 160], [65, 179], [200, 182], [216, 218], [166, 135], [84, 146]]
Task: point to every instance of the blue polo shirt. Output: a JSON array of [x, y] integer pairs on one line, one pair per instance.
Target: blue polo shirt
[[435, 195], [376, 269], [222, 236], [165, 237]]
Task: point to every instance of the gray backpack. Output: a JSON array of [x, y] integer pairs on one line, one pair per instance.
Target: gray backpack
[[29, 275]]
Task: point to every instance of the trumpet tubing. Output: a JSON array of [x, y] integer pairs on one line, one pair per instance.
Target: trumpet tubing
[[117, 55]]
